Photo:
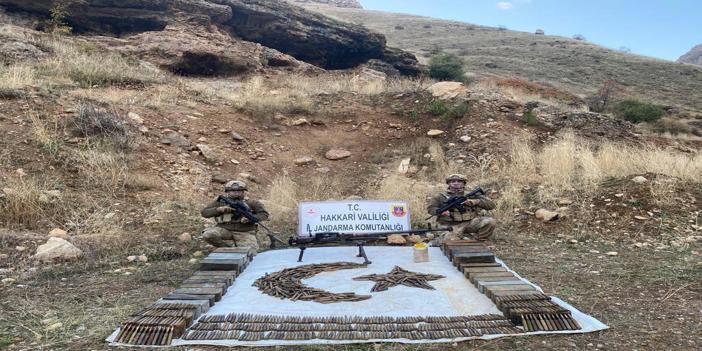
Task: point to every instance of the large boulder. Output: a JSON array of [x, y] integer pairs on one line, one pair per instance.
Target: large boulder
[[448, 90], [403, 61], [57, 249]]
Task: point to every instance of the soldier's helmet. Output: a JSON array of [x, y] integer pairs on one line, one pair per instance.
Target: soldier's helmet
[[460, 177], [235, 185]]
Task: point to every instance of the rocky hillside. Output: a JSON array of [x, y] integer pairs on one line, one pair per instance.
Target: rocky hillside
[[337, 3], [289, 29], [694, 56], [575, 65]]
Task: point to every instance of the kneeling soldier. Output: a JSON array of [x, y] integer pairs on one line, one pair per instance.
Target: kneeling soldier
[[469, 223], [231, 225]]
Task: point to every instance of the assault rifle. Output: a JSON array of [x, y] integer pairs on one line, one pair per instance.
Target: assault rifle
[[456, 202], [242, 209], [360, 239]]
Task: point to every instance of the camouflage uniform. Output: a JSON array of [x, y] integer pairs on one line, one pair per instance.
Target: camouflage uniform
[[464, 224], [229, 226]]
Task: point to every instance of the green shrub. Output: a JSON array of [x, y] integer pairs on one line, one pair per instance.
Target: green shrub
[[637, 111], [414, 116], [437, 108], [446, 67], [530, 119], [457, 111]]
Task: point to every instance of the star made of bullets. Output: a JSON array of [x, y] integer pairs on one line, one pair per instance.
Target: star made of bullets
[[399, 276]]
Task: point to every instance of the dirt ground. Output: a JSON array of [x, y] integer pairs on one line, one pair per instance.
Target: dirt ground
[[651, 299], [649, 293]]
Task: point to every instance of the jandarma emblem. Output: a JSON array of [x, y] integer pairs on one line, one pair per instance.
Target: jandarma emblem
[[398, 211]]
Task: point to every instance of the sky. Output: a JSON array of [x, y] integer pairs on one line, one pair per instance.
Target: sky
[[664, 29]]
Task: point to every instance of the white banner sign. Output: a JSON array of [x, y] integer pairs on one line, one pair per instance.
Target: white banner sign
[[354, 216]]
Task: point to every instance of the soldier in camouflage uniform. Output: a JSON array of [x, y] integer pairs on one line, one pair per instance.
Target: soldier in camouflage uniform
[[231, 226], [471, 223]]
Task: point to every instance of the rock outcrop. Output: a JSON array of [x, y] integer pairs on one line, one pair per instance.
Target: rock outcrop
[[289, 29], [336, 3], [191, 50], [307, 36], [105, 16], [694, 56]]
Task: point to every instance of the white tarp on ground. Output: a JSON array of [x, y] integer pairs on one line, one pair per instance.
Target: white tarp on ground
[[454, 295]]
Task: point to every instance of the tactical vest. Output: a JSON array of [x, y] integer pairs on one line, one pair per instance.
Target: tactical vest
[[455, 215], [232, 221]]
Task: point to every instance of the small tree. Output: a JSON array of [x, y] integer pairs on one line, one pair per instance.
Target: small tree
[[637, 111], [609, 91], [446, 67], [579, 37], [59, 12]]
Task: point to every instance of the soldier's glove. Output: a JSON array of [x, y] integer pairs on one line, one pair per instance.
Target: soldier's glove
[[472, 202], [225, 209], [245, 220]]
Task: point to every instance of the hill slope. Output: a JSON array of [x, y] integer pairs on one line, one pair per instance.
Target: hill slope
[[578, 66], [694, 56]]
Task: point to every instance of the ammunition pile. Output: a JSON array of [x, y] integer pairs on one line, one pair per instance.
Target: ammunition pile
[[246, 327], [536, 312], [157, 324], [287, 284], [521, 302], [399, 276], [168, 318]]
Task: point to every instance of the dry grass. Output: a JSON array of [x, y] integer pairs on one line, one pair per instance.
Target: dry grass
[[26, 204], [15, 77], [103, 125], [337, 84], [415, 192], [284, 195], [295, 94], [262, 101], [568, 167], [46, 131], [90, 66], [175, 92], [571, 165], [73, 61], [106, 170]]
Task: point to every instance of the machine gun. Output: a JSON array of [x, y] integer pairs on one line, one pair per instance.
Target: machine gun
[[456, 202], [242, 209], [360, 239]]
